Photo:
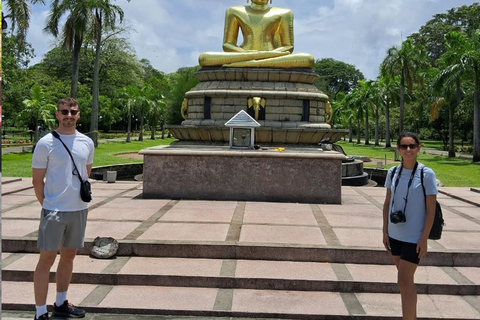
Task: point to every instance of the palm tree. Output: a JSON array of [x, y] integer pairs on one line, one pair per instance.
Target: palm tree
[[77, 24], [369, 97], [449, 79], [105, 17], [126, 97], [37, 108], [157, 114], [19, 15], [353, 103], [405, 61], [472, 59], [387, 93]]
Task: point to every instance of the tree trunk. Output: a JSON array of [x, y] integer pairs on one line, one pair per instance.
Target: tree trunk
[[388, 143], [358, 131], [350, 130], [377, 142], [451, 111], [96, 82], [152, 136], [402, 101], [140, 136], [75, 64], [129, 127], [367, 134], [476, 118]]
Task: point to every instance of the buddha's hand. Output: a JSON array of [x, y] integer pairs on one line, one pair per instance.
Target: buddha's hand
[[268, 54]]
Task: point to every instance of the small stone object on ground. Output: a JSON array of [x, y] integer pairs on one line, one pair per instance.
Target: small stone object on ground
[[104, 247]]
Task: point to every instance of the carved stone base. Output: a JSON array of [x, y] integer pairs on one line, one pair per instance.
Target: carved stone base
[[294, 111]]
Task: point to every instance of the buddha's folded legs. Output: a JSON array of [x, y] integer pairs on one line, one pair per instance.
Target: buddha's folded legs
[[301, 60], [216, 59]]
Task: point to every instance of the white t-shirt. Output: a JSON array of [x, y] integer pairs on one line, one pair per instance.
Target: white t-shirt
[[415, 213], [62, 188]]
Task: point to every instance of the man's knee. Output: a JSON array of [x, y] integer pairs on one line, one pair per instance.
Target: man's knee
[[47, 259], [67, 254]]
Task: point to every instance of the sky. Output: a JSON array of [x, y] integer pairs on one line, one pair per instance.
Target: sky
[[172, 34]]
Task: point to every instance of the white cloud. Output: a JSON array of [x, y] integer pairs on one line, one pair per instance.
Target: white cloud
[[171, 34]]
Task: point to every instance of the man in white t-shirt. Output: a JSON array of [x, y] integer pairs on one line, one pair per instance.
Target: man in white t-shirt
[[64, 214]]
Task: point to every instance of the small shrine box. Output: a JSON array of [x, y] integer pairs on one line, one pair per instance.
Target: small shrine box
[[242, 130]]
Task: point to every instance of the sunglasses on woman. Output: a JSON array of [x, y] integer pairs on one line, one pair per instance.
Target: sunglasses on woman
[[406, 146], [66, 112]]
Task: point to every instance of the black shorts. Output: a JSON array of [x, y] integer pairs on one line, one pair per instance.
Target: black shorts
[[406, 250]]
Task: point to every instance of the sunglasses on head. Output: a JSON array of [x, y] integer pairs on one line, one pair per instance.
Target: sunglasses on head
[[66, 112], [406, 146]]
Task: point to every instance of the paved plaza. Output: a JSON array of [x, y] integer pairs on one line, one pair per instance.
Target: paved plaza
[[212, 259]]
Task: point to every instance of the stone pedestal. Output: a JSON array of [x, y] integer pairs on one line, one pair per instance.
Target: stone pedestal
[[219, 173], [294, 111]]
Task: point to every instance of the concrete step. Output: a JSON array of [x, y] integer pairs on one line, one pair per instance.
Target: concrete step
[[250, 274], [213, 250], [276, 304], [247, 288]]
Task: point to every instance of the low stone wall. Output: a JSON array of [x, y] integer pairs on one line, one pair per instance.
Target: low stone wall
[[251, 175], [124, 171], [377, 175]]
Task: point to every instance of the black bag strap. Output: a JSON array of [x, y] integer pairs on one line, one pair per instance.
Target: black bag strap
[[393, 173], [423, 186], [56, 135]]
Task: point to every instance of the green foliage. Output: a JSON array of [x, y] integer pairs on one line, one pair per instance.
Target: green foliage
[[181, 81], [336, 76], [16, 84], [432, 35]]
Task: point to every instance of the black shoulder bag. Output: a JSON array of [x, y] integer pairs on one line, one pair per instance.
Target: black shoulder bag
[[85, 188]]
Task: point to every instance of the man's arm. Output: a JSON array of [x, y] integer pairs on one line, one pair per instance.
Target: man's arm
[[89, 170], [38, 183]]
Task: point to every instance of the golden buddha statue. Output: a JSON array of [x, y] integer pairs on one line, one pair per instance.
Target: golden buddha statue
[[267, 39]]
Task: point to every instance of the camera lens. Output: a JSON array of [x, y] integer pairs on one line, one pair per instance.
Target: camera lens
[[397, 217]]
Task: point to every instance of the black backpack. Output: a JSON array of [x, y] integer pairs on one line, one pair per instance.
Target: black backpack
[[438, 222]]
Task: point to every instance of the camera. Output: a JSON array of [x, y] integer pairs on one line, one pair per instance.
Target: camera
[[397, 217]]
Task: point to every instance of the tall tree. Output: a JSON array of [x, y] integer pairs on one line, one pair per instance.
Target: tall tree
[[336, 76], [404, 61], [431, 36], [472, 58], [79, 20], [126, 98], [448, 81], [388, 95], [105, 18]]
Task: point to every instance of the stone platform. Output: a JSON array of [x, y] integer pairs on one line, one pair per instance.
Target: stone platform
[[220, 173]]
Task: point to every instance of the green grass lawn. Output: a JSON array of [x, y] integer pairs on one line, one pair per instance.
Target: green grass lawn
[[109, 153], [453, 172]]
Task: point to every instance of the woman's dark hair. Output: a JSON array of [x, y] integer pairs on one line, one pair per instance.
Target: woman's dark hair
[[408, 135]]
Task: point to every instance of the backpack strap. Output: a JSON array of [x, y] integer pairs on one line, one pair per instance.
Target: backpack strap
[[421, 179], [393, 173]]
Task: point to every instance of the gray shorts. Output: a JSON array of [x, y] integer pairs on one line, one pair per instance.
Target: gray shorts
[[59, 228]]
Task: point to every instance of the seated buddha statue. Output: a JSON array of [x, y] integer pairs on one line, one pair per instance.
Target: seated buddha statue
[[267, 39]]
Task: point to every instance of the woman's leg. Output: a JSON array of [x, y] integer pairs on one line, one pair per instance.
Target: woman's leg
[[406, 284]]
